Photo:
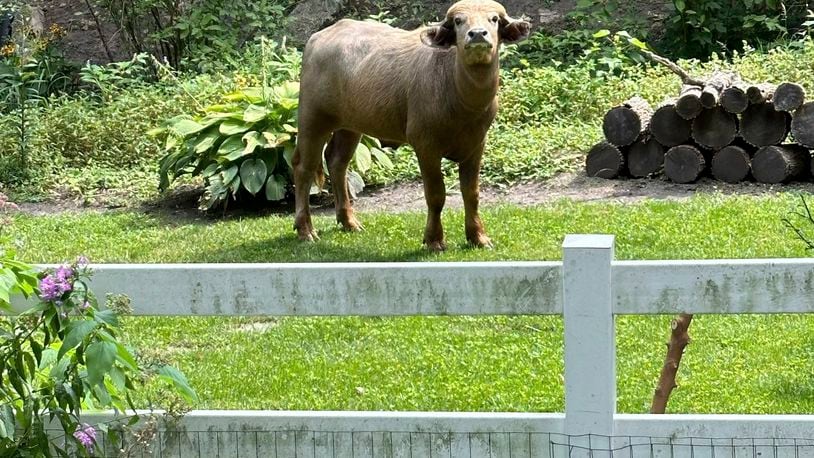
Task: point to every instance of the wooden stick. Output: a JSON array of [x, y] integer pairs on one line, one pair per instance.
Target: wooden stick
[[679, 339]]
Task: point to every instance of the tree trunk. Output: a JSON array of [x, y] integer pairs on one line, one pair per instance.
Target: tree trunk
[[684, 163], [689, 102], [645, 157], [668, 127], [604, 161], [780, 164], [760, 93], [624, 124], [802, 125], [731, 164], [715, 86], [734, 99], [762, 125], [714, 128], [679, 339], [788, 97]]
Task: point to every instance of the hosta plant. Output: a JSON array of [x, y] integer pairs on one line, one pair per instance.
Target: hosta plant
[[247, 144]]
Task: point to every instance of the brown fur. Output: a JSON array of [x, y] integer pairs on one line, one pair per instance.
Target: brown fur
[[424, 87]]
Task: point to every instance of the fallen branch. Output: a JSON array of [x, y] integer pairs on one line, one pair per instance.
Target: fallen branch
[[679, 338]]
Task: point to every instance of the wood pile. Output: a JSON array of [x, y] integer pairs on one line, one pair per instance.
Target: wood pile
[[720, 126]]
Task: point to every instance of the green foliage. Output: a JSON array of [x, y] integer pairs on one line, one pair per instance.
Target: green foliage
[[246, 143], [203, 35], [580, 40], [60, 357], [699, 28]]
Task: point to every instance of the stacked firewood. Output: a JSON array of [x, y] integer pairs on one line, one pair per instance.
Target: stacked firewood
[[725, 127]]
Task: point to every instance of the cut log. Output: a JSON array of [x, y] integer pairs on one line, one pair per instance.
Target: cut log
[[731, 164], [788, 97], [760, 93], [645, 157], [604, 161], [684, 163], [780, 164], [689, 101], [762, 125], [802, 125], [714, 128], [715, 86], [624, 124], [734, 99], [668, 127]]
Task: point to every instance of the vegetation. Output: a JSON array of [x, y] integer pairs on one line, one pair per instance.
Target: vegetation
[[61, 357], [488, 363]]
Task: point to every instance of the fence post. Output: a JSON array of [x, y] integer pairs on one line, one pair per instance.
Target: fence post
[[590, 347]]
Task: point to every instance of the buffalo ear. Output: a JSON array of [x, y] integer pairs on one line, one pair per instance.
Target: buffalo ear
[[513, 30], [440, 35]]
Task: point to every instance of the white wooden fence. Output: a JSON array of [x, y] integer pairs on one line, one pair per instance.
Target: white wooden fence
[[588, 287]]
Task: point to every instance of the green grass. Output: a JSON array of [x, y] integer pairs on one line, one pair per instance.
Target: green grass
[[748, 364]]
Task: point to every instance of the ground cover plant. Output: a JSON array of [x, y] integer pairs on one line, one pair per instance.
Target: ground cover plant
[[464, 363]]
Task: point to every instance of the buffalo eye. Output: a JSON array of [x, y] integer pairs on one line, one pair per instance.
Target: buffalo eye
[[494, 19], [458, 21]]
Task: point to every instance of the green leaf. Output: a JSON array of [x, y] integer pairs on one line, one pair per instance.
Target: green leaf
[[174, 376], [363, 159], [253, 139], [275, 188], [231, 148], [77, 331], [680, 5], [233, 126], [206, 140], [7, 423], [254, 113], [230, 174], [288, 155], [100, 357], [602, 33], [382, 158], [186, 127], [355, 183], [107, 316], [253, 175], [125, 357]]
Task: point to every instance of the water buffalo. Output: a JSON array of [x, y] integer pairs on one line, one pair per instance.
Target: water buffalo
[[434, 88]]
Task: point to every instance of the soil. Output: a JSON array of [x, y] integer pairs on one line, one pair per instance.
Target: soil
[[409, 197]]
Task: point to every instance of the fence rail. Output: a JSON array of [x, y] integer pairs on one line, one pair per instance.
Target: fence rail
[[588, 288]]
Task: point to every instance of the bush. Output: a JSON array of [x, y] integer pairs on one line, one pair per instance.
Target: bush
[[246, 143]]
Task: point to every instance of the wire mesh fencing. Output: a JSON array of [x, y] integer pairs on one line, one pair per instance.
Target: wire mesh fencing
[[418, 444]]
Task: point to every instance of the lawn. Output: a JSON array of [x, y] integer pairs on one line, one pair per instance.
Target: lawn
[[744, 364]]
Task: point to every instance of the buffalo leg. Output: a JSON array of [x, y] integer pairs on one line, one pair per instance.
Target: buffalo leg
[[307, 160], [338, 155], [435, 195], [468, 172]]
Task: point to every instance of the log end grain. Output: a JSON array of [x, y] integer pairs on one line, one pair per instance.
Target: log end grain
[[604, 160], [731, 164], [669, 128], [762, 125], [645, 157], [788, 97], [684, 163], [802, 125], [714, 128], [780, 163]]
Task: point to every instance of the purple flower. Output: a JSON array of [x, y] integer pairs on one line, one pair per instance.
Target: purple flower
[[82, 262], [53, 286], [85, 305], [86, 436]]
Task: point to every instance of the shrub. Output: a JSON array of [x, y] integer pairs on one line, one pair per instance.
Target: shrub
[[246, 143]]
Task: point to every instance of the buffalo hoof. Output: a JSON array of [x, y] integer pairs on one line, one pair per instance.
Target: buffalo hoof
[[307, 235], [481, 241], [437, 246], [352, 225]]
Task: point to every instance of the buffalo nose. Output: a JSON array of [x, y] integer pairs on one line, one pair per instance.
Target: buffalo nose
[[479, 32]]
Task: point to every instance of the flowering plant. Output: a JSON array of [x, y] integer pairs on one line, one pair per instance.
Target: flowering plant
[[61, 357]]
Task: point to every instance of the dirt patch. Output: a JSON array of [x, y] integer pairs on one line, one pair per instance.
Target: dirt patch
[[574, 186], [409, 197]]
